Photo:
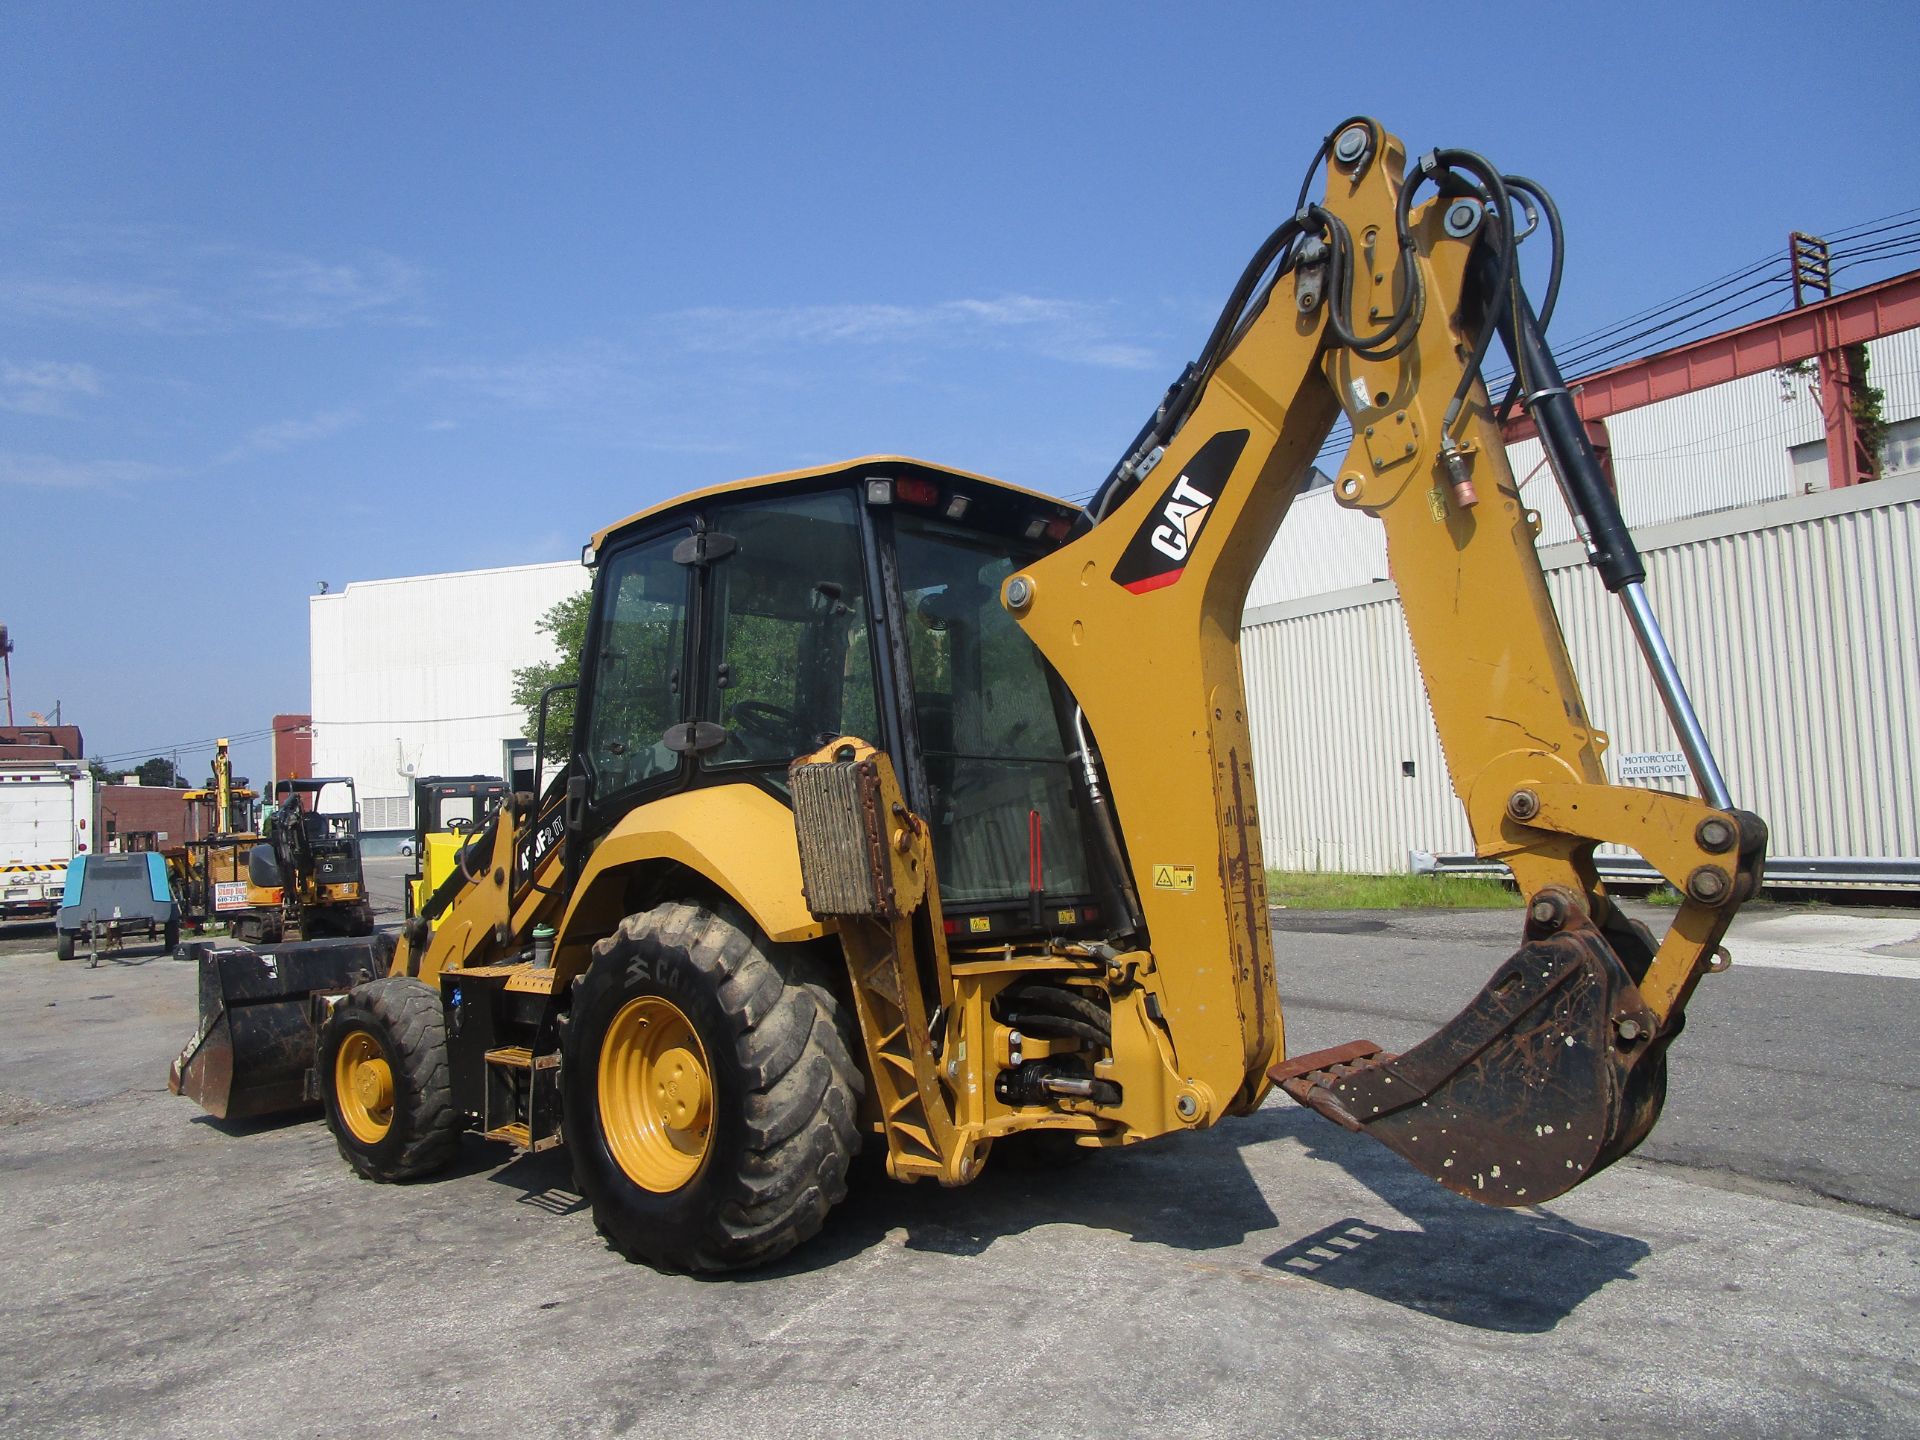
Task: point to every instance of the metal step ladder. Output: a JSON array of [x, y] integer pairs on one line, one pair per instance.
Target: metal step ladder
[[533, 1081]]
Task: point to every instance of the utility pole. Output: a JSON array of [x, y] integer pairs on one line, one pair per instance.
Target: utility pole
[[6, 650], [1850, 459], [1812, 268]]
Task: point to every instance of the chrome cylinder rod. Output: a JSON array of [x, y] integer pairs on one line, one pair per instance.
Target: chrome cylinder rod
[[1597, 518], [1673, 695]]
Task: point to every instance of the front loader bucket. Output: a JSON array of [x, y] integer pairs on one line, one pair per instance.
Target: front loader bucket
[[255, 1043], [1555, 1070]]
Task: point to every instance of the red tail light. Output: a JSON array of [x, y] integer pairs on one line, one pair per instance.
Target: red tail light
[[910, 490]]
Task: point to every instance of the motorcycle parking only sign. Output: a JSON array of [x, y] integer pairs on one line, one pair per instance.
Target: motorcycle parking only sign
[[1654, 765]]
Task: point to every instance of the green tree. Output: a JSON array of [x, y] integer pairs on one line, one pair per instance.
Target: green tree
[[161, 772], [566, 624]]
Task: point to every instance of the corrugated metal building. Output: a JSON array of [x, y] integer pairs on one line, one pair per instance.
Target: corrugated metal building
[[415, 677], [1751, 440], [1790, 607]]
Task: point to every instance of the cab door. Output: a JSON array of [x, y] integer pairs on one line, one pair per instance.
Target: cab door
[[634, 682]]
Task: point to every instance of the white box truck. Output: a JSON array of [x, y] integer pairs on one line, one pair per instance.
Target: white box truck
[[46, 818]]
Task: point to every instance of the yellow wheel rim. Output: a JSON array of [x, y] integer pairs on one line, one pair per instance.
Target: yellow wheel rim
[[363, 1087], [656, 1094]]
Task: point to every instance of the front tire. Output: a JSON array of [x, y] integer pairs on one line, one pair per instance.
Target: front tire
[[63, 945], [710, 1105], [384, 1077]]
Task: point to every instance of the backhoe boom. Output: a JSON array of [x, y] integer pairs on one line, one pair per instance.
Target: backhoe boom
[[1573, 1030]]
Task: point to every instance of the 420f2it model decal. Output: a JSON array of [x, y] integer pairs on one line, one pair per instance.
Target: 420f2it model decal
[[1158, 551]]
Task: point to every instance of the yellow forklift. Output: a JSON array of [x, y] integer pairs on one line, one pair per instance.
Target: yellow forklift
[[912, 809], [448, 812]]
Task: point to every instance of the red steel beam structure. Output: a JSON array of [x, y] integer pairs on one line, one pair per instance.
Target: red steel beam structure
[[1820, 331]]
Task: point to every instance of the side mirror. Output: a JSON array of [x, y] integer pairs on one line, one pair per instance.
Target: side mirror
[[540, 736]]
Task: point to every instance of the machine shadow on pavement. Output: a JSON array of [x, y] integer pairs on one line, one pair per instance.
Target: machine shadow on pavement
[[544, 1180], [127, 957], [1520, 1271], [1517, 1271]]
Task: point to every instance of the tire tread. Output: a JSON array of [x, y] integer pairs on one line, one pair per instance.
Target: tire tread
[[801, 1108], [411, 1011]]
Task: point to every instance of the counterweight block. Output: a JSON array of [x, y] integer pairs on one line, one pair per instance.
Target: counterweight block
[[1555, 1070]]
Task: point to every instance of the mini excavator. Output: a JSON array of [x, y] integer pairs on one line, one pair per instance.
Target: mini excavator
[[906, 808]]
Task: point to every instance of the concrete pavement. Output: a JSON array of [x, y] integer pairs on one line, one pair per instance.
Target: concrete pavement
[[170, 1275]]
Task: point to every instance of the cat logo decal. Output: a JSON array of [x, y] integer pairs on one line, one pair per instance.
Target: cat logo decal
[[1157, 554]]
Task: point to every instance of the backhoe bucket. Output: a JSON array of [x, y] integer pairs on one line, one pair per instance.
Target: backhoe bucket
[[1555, 1070], [255, 1043]]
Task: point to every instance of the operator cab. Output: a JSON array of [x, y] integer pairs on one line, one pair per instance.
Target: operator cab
[[330, 810], [330, 817], [744, 626]]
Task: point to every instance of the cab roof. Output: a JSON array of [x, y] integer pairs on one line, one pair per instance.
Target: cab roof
[[891, 463]]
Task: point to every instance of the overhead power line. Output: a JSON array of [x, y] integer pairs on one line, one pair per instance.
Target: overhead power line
[[149, 752]]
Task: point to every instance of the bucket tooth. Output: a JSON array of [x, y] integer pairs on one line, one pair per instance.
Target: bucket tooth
[[1555, 1070]]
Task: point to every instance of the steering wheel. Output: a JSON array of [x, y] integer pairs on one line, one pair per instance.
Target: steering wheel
[[459, 823], [472, 849], [765, 721]]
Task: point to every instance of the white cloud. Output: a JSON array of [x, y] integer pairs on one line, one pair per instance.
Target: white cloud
[[109, 304], [1073, 331], [302, 293], [174, 282], [285, 434], [49, 472], [45, 387], [593, 373], [614, 379]]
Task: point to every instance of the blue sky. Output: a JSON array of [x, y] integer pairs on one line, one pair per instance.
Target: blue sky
[[342, 292]]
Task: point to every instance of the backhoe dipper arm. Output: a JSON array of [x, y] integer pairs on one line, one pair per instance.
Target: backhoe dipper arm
[[1141, 615]]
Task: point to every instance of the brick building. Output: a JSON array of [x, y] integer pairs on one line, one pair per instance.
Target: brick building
[[40, 744], [159, 812]]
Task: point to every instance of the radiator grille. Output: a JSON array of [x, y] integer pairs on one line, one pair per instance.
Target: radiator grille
[[843, 860]]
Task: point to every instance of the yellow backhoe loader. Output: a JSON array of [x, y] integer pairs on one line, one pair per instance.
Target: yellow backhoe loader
[[912, 809], [209, 871]]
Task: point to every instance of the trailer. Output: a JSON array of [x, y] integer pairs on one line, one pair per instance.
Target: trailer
[[47, 817], [108, 899]]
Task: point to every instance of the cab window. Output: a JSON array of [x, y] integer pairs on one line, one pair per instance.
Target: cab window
[[637, 680], [792, 655]]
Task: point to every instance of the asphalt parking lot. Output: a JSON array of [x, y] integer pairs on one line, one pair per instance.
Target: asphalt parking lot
[[173, 1275]]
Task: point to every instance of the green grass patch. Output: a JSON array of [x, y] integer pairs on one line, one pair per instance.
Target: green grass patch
[[1331, 890]]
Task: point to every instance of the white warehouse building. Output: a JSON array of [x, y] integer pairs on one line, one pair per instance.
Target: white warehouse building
[[415, 677], [1791, 607]]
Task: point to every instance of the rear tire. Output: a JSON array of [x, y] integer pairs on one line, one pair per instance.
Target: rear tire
[[710, 1105], [63, 945], [384, 1078], [172, 935]]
